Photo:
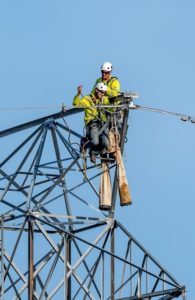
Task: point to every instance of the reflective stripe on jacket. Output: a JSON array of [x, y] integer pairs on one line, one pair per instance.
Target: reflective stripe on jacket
[[92, 113]]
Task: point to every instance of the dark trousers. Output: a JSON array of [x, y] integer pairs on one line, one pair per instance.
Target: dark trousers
[[98, 139]]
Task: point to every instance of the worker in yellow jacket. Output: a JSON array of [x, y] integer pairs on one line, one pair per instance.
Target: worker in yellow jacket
[[97, 129], [113, 90], [112, 82]]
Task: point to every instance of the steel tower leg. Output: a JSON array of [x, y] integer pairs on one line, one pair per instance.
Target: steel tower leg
[[30, 259], [2, 259], [68, 259], [112, 262]]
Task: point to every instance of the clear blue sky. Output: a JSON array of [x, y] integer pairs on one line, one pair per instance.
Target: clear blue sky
[[49, 47]]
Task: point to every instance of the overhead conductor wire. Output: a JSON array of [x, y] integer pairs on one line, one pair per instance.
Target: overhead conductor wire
[[183, 117]]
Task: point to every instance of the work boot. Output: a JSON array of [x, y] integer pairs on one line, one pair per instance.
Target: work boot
[[112, 158], [93, 157], [104, 151]]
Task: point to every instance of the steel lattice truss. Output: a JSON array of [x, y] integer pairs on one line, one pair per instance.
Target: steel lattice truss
[[55, 242]]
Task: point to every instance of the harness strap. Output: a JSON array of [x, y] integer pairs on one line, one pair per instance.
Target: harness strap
[[103, 127], [111, 78]]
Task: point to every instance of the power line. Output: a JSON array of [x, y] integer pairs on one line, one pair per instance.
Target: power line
[[27, 108], [183, 117]]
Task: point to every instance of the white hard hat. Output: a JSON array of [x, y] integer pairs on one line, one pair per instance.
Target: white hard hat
[[101, 87], [107, 66]]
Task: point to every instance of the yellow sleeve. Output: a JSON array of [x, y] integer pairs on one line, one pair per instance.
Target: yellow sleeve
[[113, 88], [77, 101], [106, 101]]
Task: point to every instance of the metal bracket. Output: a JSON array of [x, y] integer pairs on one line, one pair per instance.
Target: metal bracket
[[130, 95], [49, 122]]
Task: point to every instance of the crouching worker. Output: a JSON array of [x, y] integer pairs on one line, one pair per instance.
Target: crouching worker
[[97, 127]]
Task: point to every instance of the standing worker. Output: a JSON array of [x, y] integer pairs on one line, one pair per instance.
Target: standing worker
[[112, 82], [113, 90], [97, 128]]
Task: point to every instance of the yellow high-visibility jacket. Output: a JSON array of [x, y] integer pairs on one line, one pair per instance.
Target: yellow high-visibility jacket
[[113, 86], [92, 113]]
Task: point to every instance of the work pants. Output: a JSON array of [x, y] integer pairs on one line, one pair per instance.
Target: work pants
[[98, 139]]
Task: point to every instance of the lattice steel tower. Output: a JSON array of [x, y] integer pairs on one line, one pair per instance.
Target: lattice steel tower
[[55, 242]]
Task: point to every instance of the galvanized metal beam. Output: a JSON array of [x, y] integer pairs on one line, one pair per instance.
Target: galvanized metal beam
[[30, 260], [39, 121]]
